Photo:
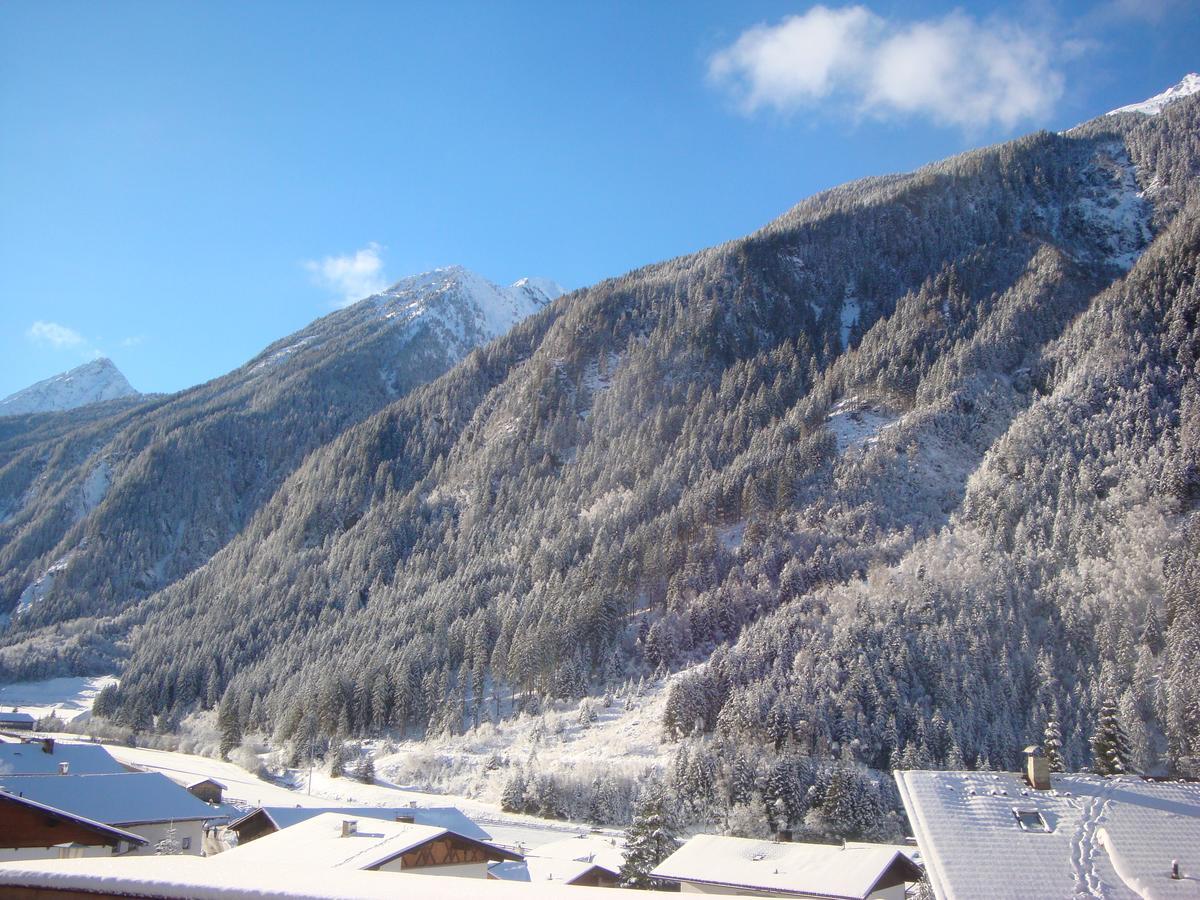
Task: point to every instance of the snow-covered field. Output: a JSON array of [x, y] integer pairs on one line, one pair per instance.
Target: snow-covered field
[[70, 699], [250, 791], [623, 737]]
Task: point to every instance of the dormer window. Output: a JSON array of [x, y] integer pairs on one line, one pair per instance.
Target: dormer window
[[1031, 820]]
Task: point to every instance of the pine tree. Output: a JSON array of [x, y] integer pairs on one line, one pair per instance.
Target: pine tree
[[1052, 741], [512, 798], [648, 841], [227, 722], [365, 770], [1110, 747]]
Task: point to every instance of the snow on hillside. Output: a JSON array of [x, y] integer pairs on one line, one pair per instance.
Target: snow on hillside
[[250, 791], [38, 589], [1114, 205], [1156, 104], [92, 382], [70, 699], [856, 424]]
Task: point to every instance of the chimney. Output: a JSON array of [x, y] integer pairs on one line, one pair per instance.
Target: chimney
[[48, 745], [64, 768], [1037, 768], [412, 804], [1175, 874], [349, 827]]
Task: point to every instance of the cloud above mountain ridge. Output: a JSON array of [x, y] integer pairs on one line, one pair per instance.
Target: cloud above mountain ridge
[[955, 70]]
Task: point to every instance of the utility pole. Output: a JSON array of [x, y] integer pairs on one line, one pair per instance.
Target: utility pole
[[311, 739]]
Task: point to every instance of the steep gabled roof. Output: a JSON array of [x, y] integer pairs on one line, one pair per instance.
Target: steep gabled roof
[[130, 798], [987, 834], [850, 871]]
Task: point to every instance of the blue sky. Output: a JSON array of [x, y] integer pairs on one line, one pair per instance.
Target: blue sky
[[182, 183]]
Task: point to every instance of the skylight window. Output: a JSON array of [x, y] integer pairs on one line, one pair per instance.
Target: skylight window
[[1031, 820]]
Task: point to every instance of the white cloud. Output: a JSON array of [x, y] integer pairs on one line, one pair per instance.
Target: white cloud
[[954, 70], [133, 340], [51, 334], [354, 276]]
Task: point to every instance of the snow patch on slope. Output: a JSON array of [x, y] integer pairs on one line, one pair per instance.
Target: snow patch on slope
[[850, 313], [92, 382], [280, 355], [1156, 104], [856, 424], [93, 489], [37, 591], [1115, 207]]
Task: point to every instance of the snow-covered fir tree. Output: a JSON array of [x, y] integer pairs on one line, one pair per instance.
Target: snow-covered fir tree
[[649, 840], [1110, 746]]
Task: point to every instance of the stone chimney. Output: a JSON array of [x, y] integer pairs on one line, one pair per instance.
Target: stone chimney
[[1037, 768], [349, 827], [64, 768], [1176, 875]]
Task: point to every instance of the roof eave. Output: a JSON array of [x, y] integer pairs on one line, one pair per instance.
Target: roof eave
[[679, 879]]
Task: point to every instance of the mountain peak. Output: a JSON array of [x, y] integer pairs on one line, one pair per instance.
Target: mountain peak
[[94, 381], [1156, 104], [491, 307], [551, 289]]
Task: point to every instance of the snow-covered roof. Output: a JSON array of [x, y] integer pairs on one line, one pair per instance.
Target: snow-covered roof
[[841, 871], [197, 878], [31, 758], [16, 718], [106, 831], [130, 798], [541, 870], [447, 817], [197, 783], [319, 842], [987, 834], [606, 852]]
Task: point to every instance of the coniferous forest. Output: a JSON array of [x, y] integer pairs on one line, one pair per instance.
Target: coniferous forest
[[908, 478]]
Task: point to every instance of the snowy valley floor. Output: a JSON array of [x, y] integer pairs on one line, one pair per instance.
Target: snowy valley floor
[[468, 771]]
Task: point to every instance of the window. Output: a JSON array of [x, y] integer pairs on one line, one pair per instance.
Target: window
[[186, 843], [1031, 820]]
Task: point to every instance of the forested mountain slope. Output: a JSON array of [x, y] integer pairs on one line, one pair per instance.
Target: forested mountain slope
[[105, 505], [904, 470]]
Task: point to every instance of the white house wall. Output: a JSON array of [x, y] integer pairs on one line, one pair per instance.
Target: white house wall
[[154, 832]]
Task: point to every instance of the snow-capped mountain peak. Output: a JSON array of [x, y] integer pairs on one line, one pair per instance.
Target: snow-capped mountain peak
[[92, 382], [1156, 104], [551, 289], [465, 301]]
